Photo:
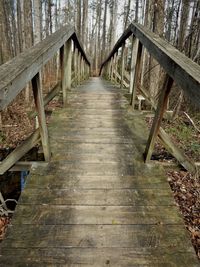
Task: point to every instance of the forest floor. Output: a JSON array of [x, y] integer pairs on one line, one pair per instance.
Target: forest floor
[[19, 123]]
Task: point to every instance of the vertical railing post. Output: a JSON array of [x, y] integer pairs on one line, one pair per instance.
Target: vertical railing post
[[79, 68], [75, 65], [82, 68], [122, 66], [109, 69], [38, 98], [137, 72], [112, 68], [133, 58], [116, 66], [66, 69], [162, 104]]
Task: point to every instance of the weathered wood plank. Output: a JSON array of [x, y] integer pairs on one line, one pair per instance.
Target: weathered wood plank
[[20, 151], [162, 104], [54, 91], [98, 236], [95, 197], [97, 204], [61, 214], [59, 181], [38, 98], [98, 257], [188, 164]]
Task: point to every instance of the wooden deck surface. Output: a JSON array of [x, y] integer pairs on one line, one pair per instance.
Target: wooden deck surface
[[97, 203]]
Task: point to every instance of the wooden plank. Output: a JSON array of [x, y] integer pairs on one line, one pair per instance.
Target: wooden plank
[[162, 104], [95, 197], [187, 163], [123, 81], [26, 165], [37, 93], [97, 257], [54, 91], [118, 215], [20, 151], [58, 181], [99, 236]]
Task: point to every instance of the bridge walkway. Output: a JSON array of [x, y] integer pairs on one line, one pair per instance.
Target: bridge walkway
[[96, 203]]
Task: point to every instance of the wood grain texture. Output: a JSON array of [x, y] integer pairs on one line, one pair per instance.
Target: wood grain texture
[[96, 203]]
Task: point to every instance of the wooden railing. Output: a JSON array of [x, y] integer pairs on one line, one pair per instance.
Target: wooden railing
[[178, 68], [15, 74]]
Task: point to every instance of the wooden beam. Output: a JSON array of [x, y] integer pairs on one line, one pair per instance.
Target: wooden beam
[[26, 165], [37, 93], [165, 90], [176, 152], [54, 91], [20, 151], [137, 73], [124, 82]]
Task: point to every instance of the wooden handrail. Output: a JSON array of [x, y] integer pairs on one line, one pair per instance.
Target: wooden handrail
[[15, 74], [178, 68], [182, 69]]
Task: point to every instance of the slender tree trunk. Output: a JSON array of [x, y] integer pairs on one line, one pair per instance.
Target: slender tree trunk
[[37, 8], [85, 23], [183, 24], [126, 13], [136, 10], [19, 24], [104, 31], [28, 35]]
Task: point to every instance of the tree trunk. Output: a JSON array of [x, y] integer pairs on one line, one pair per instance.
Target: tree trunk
[[104, 31], [183, 24], [85, 23], [37, 8]]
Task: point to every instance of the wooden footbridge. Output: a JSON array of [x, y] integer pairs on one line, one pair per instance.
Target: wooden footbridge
[[96, 202]]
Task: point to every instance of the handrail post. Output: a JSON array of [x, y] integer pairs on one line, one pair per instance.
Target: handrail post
[[165, 90], [137, 73], [37, 93], [122, 65], [109, 69], [82, 68], [115, 67], [75, 65], [112, 68], [78, 67], [66, 69]]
